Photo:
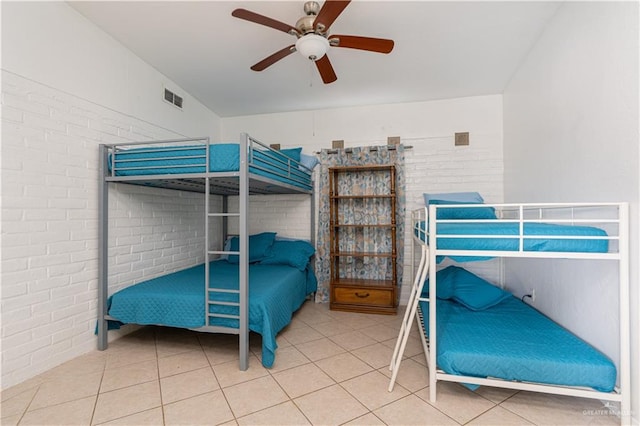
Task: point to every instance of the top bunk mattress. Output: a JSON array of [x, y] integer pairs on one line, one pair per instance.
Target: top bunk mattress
[[222, 157], [513, 341], [505, 236]]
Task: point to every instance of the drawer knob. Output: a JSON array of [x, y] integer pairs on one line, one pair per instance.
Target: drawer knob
[[362, 295]]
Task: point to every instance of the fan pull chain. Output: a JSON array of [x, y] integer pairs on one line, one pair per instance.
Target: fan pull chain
[[311, 64]]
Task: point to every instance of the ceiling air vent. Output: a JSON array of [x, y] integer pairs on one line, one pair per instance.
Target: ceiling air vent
[[172, 98]]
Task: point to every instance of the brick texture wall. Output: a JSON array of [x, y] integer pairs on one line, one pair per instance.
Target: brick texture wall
[[49, 224]]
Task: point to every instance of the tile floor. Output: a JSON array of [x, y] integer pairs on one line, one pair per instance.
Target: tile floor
[[331, 368]]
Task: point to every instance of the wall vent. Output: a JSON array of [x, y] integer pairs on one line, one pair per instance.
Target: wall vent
[[172, 98]]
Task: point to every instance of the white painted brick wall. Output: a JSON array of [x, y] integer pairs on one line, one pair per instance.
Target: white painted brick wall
[[288, 215], [49, 224], [436, 165]]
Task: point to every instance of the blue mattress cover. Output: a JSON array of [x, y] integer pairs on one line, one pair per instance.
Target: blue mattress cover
[[223, 157], [177, 299], [513, 341], [512, 244]]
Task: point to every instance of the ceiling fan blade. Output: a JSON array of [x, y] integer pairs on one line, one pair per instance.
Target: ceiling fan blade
[[379, 45], [270, 60], [326, 70], [247, 15], [330, 10]]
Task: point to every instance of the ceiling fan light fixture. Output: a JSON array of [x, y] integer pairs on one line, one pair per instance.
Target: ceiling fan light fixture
[[312, 46]]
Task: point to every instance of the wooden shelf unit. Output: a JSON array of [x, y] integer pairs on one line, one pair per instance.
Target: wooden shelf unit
[[353, 294]]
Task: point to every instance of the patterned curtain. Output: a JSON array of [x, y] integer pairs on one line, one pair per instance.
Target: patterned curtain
[[371, 212]]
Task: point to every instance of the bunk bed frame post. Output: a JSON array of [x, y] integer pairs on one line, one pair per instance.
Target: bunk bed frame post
[[625, 332], [433, 338], [103, 248], [243, 195]]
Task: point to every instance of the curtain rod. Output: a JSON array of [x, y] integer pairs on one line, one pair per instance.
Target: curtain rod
[[373, 148]]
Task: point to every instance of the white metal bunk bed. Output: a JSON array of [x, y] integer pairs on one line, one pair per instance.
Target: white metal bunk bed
[[187, 165], [434, 246]]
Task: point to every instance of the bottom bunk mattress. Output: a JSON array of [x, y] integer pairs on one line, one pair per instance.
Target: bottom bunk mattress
[[513, 341], [177, 299]]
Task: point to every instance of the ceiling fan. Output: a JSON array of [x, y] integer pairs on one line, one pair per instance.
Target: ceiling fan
[[313, 39]]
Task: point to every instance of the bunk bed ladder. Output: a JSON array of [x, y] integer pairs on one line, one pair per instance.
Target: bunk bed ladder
[[410, 314], [212, 295]]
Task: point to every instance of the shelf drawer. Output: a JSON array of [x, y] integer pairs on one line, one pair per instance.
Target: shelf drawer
[[363, 296]]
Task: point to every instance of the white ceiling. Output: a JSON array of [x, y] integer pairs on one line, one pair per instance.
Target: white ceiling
[[442, 50]]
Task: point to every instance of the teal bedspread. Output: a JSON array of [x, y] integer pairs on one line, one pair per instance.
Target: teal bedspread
[[513, 341], [223, 157], [177, 299], [541, 238]]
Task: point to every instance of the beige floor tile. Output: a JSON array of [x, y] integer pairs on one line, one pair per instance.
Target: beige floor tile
[[457, 402], [28, 385], [319, 349], [93, 362], [282, 414], [17, 404], [300, 334], [352, 340], [411, 375], [128, 375], [208, 409], [11, 420], [412, 410], [182, 362], [228, 373], [380, 332], [221, 353], [77, 412], [130, 354], [65, 389], [302, 380], [186, 385], [173, 341], [494, 394], [148, 417], [376, 355], [366, 420], [420, 359], [288, 357], [127, 401], [316, 406], [412, 348], [255, 395], [311, 316], [331, 328], [343, 367], [359, 321], [371, 390], [498, 416], [540, 408]]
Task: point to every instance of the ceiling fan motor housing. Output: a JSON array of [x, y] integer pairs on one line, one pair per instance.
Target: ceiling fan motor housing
[[306, 24]]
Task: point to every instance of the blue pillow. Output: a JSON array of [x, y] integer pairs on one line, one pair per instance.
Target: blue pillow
[[259, 244], [294, 253], [461, 197], [309, 161], [445, 281], [463, 212], [293, 153], [468, 289]]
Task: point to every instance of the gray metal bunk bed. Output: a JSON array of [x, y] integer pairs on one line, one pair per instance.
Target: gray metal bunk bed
[[238, 169]]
